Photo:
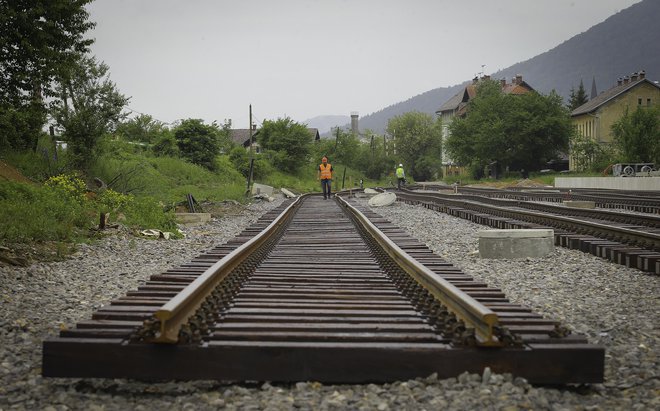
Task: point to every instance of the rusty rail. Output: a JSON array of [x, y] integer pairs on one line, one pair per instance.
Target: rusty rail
[[176, 312], [472, 312]]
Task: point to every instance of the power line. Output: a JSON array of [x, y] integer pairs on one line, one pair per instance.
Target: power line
[[160, 121]]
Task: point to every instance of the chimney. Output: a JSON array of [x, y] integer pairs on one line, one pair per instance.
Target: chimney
[[633, 77], [642, 74], [626, 79], [619, 81], [354, 122], [518, 78], [503, 82]]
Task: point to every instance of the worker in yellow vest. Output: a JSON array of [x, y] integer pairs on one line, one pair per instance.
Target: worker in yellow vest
[[325, 176], [400, 176]]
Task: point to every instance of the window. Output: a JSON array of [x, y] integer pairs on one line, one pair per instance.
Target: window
[[639, 101], [648, 102]]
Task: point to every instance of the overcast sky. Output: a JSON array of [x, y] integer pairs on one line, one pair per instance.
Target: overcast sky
[[211, 59]]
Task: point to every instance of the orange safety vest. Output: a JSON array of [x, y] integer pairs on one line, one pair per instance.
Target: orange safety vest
[[326, 171]]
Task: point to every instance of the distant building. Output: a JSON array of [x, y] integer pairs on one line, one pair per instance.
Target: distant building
[[594, 119], [457, 106], [242, 136]]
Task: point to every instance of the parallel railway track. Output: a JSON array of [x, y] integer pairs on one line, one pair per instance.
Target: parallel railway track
[[639, 201], [322, 296], [628, 239]]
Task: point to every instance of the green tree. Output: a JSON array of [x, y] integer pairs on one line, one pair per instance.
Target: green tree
[[287, 143], [577, 98], [20, 126], [38, 39], [373, 159], [198, 142], [142, 128], [585, 152], [510, 131], [345, 148], [88, 107], [637, 135], [240, 158], [418, 140], [166, 146], [226, 143]]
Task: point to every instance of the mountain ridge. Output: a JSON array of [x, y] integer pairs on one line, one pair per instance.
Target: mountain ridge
[[618, 46]]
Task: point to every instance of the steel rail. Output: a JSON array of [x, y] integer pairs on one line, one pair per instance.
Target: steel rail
[[177, 311], [473, 313], [647, 239], [609, 200], [650, 220]]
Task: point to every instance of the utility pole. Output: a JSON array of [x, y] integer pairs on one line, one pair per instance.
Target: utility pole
[[249, 180]]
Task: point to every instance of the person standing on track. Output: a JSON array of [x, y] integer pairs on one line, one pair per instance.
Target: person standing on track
[[400, 176], [325, 176]]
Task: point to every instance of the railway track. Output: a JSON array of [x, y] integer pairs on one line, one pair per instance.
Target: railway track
[[628, 239], [325, 291], [638, 201]]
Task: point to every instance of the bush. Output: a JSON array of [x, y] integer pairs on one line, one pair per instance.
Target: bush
[[198, 142], [240, 159], [32, 213], [69, 186], [166, 147]]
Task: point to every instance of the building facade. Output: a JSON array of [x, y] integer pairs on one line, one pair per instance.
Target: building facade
[[595, 118]]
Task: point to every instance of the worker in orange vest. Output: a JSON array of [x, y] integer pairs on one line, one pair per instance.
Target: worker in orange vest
[[325, 176]]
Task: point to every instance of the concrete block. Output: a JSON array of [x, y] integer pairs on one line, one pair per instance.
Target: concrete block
[[192, 218], [287, 193], [580, 204], [262, 189], [513, 243]]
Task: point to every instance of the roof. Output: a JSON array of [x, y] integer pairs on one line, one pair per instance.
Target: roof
[[315, 133], [519, 88], [242, 135], [604, 97], [459, 101], [452, 103]]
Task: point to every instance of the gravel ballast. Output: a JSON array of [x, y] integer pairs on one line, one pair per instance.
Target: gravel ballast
[[612, 305]]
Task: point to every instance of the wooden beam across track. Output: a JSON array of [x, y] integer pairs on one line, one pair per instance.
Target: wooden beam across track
[[322, 305]]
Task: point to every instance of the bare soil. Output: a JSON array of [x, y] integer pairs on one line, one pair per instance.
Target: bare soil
[[8, 172]]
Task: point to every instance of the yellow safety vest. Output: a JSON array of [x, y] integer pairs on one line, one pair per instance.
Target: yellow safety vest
[[326, 171]]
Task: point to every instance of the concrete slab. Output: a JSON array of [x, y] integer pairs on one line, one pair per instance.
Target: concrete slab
[[513, 243], [262, 189], [192, 218], [617, 183]]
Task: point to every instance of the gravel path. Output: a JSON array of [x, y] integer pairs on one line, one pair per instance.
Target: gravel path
[[617, 307]]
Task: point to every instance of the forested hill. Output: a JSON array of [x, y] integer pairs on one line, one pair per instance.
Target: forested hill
[[626, 42]]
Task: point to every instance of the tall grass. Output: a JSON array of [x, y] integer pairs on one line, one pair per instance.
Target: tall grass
[[168, 180], [32, 213]]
